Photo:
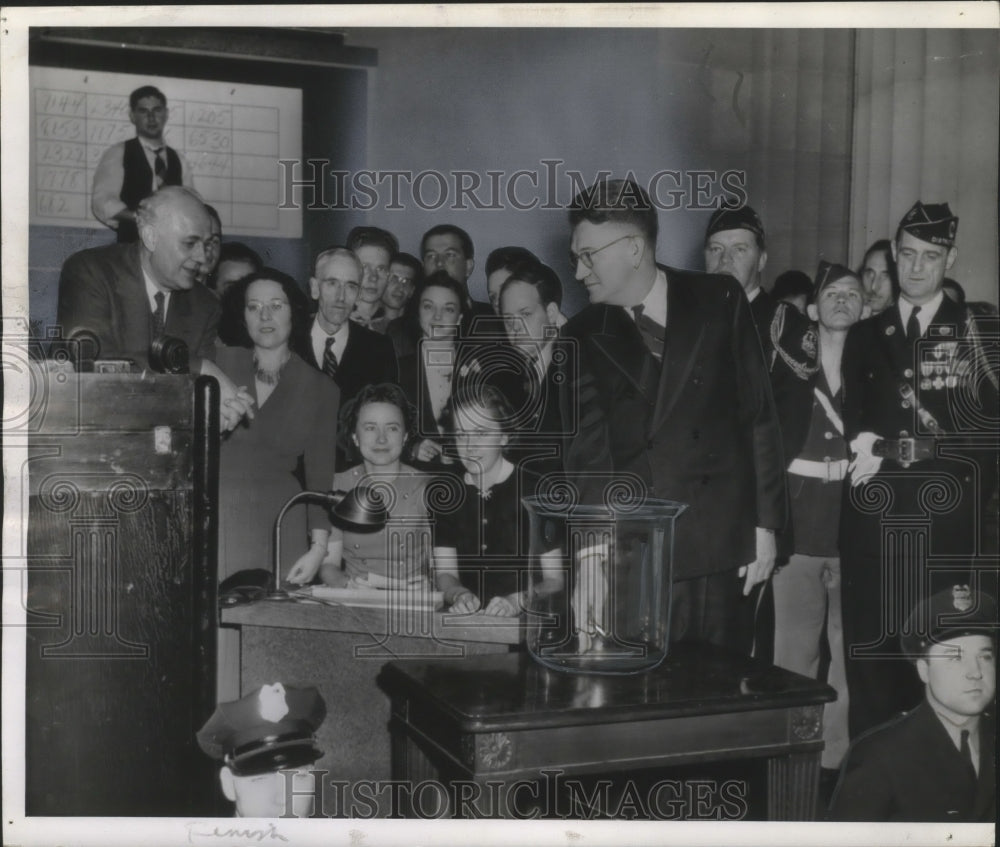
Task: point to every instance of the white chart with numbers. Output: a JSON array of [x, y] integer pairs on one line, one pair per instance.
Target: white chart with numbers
[[232, 136]]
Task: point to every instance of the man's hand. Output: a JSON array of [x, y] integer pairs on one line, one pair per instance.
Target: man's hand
[[760, 569], [235, 402], [233, 409], [864, 465]]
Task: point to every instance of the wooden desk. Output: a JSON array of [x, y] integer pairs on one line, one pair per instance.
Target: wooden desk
[[505, 718], [341, 650]]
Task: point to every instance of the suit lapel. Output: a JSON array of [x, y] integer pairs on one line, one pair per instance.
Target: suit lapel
[[685, 331], [619, 340], [350, 348], [135, 305]]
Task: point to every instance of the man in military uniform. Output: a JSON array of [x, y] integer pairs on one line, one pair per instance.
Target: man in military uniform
[[920, 412], [266, 741], [936, 763]]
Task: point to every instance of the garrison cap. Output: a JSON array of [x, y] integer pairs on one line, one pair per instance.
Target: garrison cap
[[267, 730], [950, 613], [741, 218], [933, 222]]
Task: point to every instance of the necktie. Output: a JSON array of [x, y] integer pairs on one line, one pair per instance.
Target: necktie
[[330, 362], [652, 333], [159, 167], [913, 325], [966, 753], [159, 315]]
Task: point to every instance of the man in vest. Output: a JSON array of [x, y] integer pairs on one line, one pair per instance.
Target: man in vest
[[132, 170]]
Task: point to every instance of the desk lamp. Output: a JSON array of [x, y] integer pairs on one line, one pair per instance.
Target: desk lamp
[[361, 509]]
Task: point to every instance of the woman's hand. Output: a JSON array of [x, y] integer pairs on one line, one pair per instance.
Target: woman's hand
[[334, 577], [465, 602], [427, 450], [503, 607], [304, 569]]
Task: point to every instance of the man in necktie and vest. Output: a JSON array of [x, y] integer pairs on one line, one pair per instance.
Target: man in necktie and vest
[[938, 762], [673, 400], [920, 415], [130, 171]]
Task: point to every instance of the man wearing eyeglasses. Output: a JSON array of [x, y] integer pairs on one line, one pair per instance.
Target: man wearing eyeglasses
[[670, 388], [130, 171], [350, 354], [404, 274]]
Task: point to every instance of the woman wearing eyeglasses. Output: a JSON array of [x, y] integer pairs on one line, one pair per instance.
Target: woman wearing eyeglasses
[[295, 421]]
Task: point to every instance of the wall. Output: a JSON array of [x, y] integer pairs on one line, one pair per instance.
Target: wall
[[333, 108], [773, 103], [927, 129]]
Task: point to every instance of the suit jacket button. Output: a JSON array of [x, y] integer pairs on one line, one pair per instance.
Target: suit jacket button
[[908, 373]]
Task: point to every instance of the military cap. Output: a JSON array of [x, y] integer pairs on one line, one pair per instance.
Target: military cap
[[269, 729], [830, 272], [933, 222], [741, 218], [950, 613]]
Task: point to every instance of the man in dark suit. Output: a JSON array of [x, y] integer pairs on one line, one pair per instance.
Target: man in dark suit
[[130, 171], [128, 295], [920, 414], [669, 389], [938, 762], [735, 244], [352, 355]]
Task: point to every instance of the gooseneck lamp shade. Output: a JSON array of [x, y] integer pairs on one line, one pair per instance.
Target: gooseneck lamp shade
[[362, 509]]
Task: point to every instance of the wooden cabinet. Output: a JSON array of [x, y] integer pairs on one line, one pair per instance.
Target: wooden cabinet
[[122, 599]]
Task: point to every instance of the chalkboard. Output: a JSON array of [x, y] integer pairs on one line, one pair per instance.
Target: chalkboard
[[231, 135]]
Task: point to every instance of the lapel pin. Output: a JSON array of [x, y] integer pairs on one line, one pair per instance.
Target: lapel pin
[[890, 330]]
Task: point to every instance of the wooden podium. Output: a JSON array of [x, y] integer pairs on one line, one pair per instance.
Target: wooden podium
[[122, 594]]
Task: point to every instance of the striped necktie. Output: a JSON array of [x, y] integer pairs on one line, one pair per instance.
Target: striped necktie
[[159, 166], [330, 363]]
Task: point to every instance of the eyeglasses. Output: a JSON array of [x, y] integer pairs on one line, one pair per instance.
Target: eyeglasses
[[255, 307], [587, 256], [396, 279]]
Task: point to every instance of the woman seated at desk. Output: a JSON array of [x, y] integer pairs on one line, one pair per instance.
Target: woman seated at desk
[[378, 424], [480, 547]]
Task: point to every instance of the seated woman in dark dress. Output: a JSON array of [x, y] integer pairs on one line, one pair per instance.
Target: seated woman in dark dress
[[481, 546]]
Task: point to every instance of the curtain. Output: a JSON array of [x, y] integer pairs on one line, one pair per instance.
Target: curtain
[[926, 128]]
